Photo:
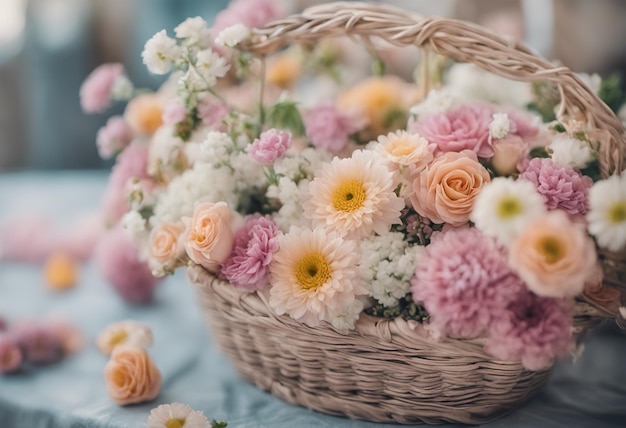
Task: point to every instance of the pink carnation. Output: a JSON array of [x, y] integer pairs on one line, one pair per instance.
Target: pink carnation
[[329, 128], [562, 187], [10, 354], [96, 89], [118, 261], [174, 113], [532, 329], [464, 128], [270, 146], [39, 344], [251, 13], [212, 113], [113, 137], [464, 282], [248, 265]]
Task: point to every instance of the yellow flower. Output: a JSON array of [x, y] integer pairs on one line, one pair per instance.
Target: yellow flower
[[283, 70]]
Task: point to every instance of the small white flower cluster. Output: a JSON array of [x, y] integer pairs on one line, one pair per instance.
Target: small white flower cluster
[[500, 126], [388, 264], [437, 101], [233, 35]]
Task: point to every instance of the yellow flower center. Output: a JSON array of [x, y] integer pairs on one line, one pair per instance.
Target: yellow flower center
[[117, 338], [509, 207], [617, 212], [175, 423], [349, 196], [401, 147], [551, 249], [312, 271]]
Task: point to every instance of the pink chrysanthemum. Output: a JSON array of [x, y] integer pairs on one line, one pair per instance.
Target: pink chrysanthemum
[[329, 128], [248, 265], [464, 282], [113, 137], [561, 186], [10, 354], [270, 146], [533, 329], [96, 89]]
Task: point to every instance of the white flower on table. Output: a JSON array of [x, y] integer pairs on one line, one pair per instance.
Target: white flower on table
[[127, 333], [607, 212], [177, 415], [233, 35], [160, 53], [571, 152]]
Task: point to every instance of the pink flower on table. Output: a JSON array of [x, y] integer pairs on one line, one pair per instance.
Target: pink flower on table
[[248, 265], [464, 128], [96, 89], [10, 354], [251, 13], [330, 128], [174, 113], [270, 146], [533, 329], [117, 259], [212, 113], [39, 343], [562, 187], [209, 238], [464, 282], [113, 137]]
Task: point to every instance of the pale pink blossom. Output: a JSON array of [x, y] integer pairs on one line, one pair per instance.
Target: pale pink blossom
[[212, 113], [95, 92], [251, 13], [330, 128], [270, 146], [174, 113], [209, 237], [113, 137]]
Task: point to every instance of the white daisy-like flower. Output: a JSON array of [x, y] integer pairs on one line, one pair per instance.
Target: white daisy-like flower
[[194, 31], [607, 212], [571, 152], [354, 196], [233, 35], [160, 52], [402, 149], [176, 415], [211, 66], [504, 207], [315, 275], [128, 333], [500, 126]]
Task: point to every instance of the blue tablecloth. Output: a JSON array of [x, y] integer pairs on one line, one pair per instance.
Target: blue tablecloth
[[589, 393]]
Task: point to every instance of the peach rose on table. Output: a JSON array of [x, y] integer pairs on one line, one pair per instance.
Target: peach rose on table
[[209, 236], [554, 256], [166, 247], [445, 191], [131, 376]]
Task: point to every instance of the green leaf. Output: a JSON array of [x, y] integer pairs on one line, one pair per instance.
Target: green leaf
[[285, 115], [611, 92]]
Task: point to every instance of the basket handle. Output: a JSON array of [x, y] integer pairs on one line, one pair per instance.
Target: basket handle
[[459, 40]]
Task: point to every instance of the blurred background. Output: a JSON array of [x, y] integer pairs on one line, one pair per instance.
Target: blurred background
[[48, 47]]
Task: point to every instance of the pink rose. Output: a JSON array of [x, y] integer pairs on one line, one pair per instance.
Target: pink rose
[[209, 237], [271, 145], [96, 89], [445, 191], [507, 153], [464, 128], [554, 256], [165, 246]]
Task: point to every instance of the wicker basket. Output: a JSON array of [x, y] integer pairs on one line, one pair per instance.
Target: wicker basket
[[392, 371]]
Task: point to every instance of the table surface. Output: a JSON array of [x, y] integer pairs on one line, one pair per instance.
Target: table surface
[[588, 393]]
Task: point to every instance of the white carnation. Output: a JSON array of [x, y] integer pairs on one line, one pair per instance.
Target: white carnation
[[233, 35], [500, 126], [607, 212], [160, 52], [571, 152], [194, 31]]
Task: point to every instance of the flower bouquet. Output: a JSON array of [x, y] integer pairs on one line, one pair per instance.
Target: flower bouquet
[[374, 249]]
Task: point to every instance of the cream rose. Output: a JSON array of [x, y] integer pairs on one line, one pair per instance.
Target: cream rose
[[165, 245], [209, 237], [554, 256], [445, 191], [131, 376], [507, 152]]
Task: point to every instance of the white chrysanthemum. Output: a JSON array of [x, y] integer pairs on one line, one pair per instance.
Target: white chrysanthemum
[[354, 196], [160, 52], [127, 333], [387, 265], [402, 149], [211, 66], [571, 152], [315, 275], [437, 101], [499, 126], [176, 415], [505, 207], [194, 31], [233, 35], [607, 212]]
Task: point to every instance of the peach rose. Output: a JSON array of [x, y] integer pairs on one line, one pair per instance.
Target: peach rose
[[165, 246], [445, 191], [554, 256], [131, 376], [144, 114], [507, 152], [210, 238]]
